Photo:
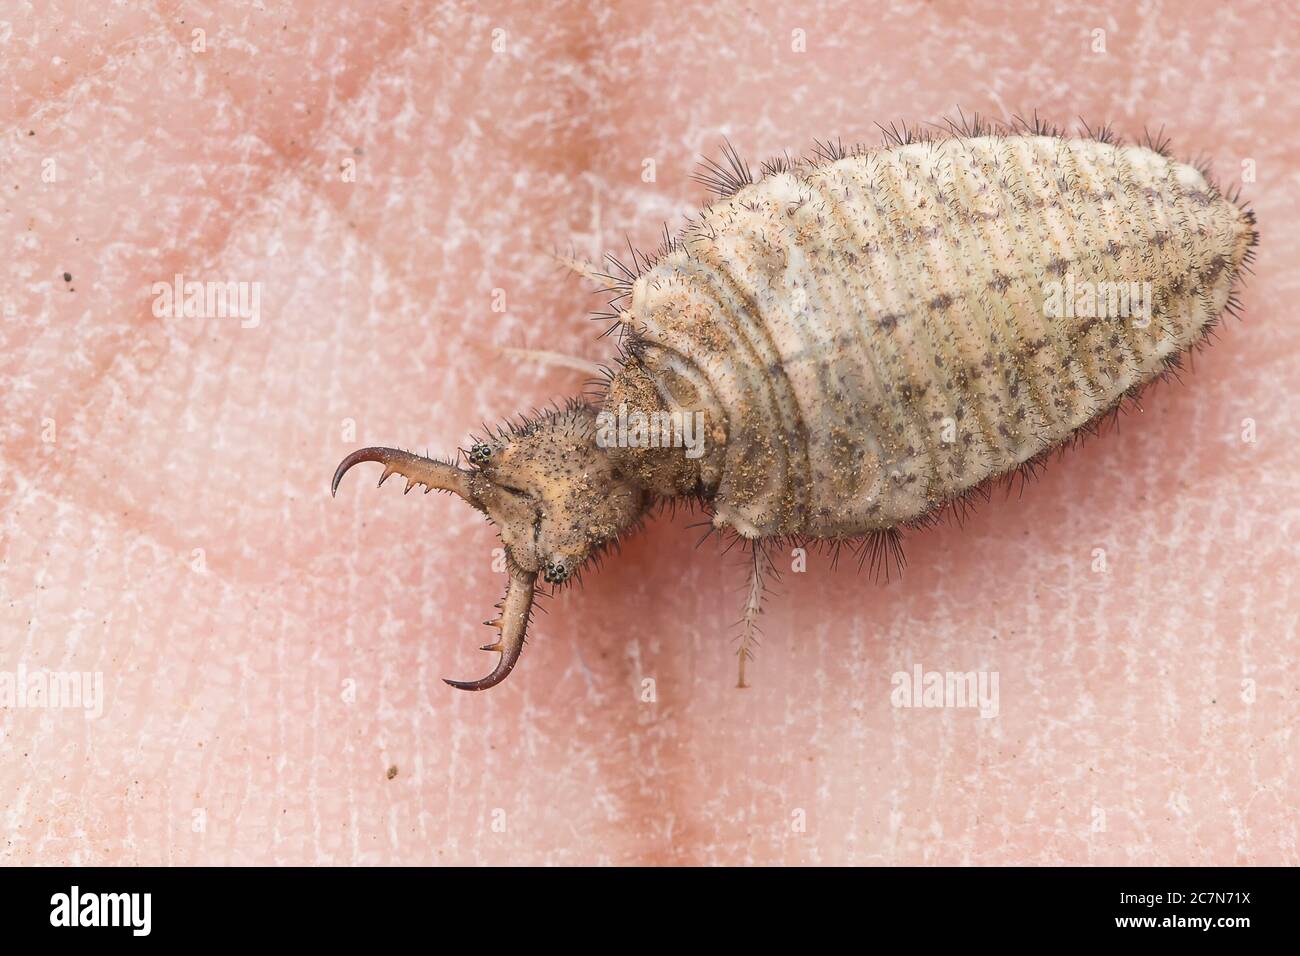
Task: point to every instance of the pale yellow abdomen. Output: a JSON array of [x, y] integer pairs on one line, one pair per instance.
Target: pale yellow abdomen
[[874, 336]]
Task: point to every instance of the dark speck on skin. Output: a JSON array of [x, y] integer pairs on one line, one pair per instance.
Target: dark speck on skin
[[67, 277], [392, 771]]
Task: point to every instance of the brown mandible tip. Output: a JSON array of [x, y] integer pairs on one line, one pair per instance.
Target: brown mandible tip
[[515, 606]]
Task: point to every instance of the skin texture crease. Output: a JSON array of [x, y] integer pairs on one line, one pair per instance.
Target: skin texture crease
[[268, 652]]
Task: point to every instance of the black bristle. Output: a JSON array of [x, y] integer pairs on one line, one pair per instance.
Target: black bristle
[[723, 180]]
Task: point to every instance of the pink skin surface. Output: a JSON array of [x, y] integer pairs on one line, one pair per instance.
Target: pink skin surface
[[270, 655]]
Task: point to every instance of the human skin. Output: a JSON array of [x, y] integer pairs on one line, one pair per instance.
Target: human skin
[[272, 658]]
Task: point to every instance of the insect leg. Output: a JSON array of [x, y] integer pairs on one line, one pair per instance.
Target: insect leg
[[581, 267], [555, 358], [755, 594]]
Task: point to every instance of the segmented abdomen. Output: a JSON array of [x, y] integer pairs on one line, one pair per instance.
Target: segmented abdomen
[[873, 336]]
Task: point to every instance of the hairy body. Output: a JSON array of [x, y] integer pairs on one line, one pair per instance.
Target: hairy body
[[864, 338], [873, 337]]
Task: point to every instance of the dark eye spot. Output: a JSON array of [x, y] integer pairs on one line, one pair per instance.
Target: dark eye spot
[[480, 453]]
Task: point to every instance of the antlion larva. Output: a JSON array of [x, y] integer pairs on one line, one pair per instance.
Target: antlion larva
[[858, 340]]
